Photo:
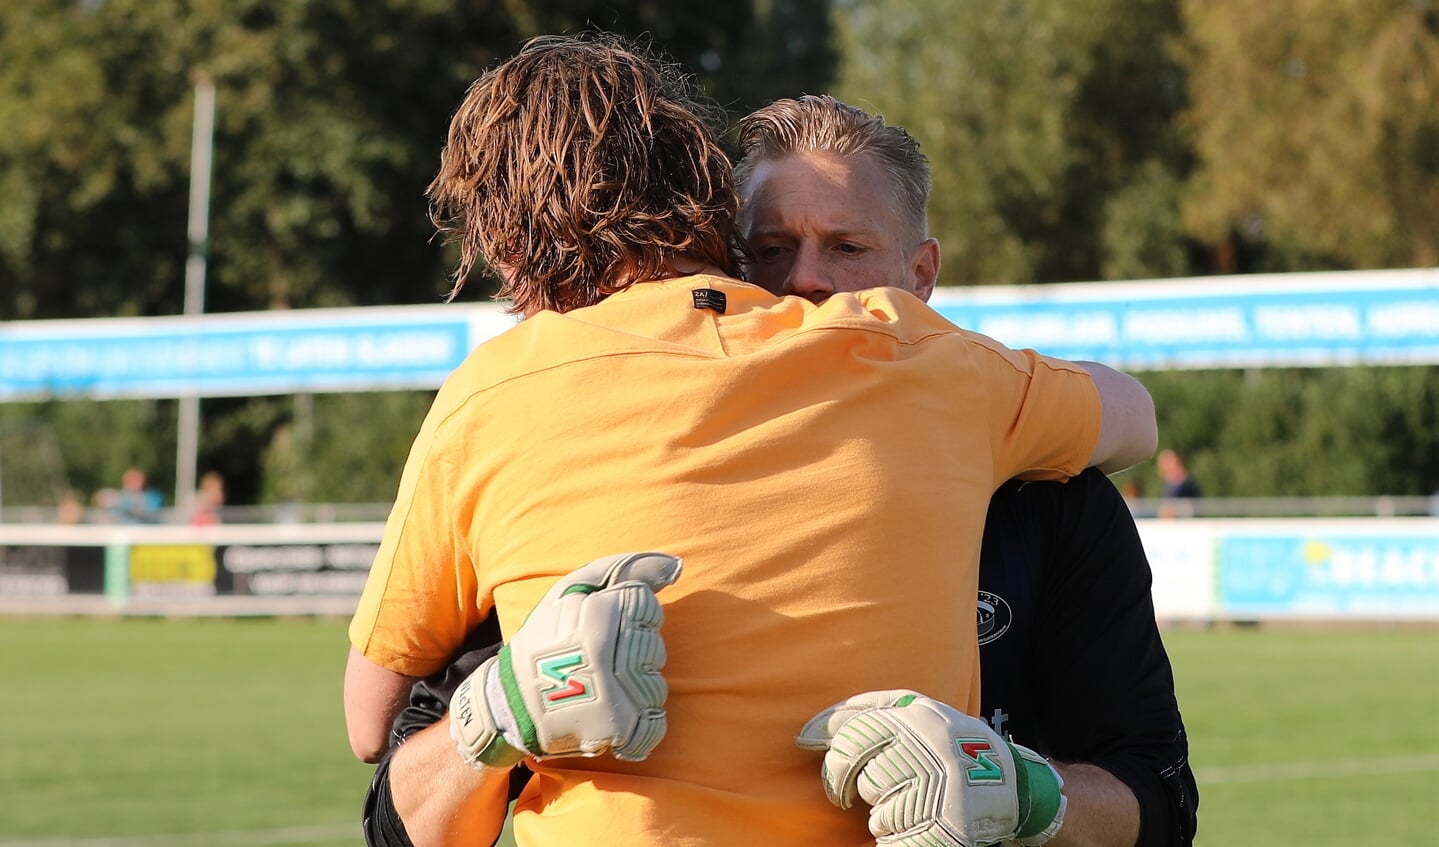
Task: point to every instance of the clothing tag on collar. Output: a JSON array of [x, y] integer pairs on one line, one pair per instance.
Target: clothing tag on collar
[[709, 298]]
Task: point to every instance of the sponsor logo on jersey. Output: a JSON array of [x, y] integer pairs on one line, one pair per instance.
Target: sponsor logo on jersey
[[982, 766], [568, 687], [995, 616]]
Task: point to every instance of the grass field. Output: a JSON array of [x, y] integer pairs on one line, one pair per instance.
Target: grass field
[[189, 733]]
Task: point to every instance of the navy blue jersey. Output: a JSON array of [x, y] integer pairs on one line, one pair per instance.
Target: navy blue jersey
[[1070, 654], [1071, 661]]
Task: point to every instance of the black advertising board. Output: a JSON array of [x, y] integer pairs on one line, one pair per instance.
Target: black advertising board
[[51, 570]]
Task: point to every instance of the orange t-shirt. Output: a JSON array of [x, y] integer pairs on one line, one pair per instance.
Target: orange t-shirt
[[823, 471]]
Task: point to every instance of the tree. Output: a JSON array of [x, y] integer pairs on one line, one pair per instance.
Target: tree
[[744, 54], [1304, 432], [330, 117], [1316, 128], [1049, 125], [323, 109]]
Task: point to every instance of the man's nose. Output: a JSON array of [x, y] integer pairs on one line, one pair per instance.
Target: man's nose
[[808, 278]]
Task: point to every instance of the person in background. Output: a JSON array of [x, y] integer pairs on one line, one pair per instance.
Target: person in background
[[209, 500], [1180, 489], [70, 509], [136, 502]]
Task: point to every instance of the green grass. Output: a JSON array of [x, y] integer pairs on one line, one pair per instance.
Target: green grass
[[150, 730], [143, 727], [1314, 738]]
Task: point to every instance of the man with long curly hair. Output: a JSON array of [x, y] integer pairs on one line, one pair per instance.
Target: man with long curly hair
[[822, 469]]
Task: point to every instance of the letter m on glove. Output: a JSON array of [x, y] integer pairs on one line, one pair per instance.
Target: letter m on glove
[[980, 765], [568, 687]]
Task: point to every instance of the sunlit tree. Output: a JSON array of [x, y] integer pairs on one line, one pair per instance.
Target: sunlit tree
[[1316, 125]]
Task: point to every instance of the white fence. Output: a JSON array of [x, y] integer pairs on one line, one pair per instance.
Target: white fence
[[1204, 569]]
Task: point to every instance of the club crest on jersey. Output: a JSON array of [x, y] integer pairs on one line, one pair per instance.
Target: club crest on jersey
[[981, 765], [568, 687], [995, 616]]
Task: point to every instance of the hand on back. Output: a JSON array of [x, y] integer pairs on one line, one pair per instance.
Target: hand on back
[[581, 677]]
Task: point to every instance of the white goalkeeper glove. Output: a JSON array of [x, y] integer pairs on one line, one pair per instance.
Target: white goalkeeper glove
[[933, 776], [580, 677]]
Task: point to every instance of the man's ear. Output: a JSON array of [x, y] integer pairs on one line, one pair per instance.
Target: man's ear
[[924, 268]]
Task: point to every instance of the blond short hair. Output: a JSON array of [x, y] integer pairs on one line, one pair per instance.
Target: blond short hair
[[820, 123]]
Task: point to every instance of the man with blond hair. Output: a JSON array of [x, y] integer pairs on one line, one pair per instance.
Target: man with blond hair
[[822, 469], [1072, 660]]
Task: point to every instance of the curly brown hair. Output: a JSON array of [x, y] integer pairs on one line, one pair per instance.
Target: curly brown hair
[[579, 167]]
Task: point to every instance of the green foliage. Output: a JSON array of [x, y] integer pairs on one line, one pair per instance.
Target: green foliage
[[1139, 237], [1093, 139], [343, 448], [234, 431], [330, 115], [323, 110], [744, 54], [98, 442], [329, 120], [361, 464], [1049, 126], [1303, 432], [1315, 126]]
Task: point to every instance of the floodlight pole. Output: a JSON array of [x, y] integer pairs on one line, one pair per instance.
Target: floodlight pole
[[202, 144]]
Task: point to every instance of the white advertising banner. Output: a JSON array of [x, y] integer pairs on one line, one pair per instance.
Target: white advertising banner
[[1318, 569], [1182, 555]]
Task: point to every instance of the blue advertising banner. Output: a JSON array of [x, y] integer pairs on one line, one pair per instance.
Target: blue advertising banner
[[1281, 320], [1323, 574], [241, 354], [1379, 318]]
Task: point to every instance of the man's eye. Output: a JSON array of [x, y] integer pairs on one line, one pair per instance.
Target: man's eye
[[769, 251], [849, 248]]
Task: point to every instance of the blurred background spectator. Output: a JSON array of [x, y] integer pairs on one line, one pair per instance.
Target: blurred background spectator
[[208, 500], [1179, 487], [136, 502]]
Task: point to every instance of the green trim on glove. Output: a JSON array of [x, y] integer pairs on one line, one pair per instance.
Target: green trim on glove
[[473, 725], [1040, 797], [529, 736], [498, 754]]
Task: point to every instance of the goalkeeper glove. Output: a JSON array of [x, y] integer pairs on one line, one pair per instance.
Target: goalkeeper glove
[[932, 774], [580, 676]]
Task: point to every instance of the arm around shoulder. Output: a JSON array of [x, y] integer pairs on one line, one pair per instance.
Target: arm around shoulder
[[1128, 432], [373, 697]]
